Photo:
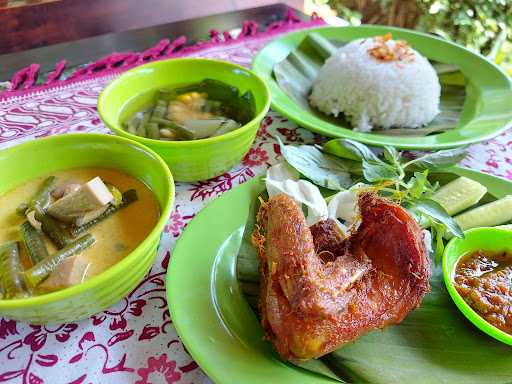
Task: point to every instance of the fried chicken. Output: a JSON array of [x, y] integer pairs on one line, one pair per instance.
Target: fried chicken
[[321, 288]]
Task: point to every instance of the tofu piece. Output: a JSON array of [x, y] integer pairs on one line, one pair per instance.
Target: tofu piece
[[71, 271], [91, 196]]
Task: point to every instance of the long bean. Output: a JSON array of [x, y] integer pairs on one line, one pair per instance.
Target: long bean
[[153, 131], [129, 197], [11, 271], [159, 111], [34, 243], [41, 270], [141, 129], [43, 196], [52, 228], [132, 125]]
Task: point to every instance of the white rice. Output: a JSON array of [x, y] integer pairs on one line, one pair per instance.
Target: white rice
[[376, 93]]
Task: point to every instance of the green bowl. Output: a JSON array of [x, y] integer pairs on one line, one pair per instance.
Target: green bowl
[[488, 239], [26, 161], [188, 160]]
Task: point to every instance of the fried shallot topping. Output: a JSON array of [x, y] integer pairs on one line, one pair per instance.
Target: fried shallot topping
[[385, 49]]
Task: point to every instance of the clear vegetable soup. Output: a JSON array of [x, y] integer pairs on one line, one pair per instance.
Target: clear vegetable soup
[[195, 111], [59, 230]]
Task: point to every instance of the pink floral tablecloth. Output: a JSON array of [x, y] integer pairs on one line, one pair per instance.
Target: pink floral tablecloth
[[135, 341]]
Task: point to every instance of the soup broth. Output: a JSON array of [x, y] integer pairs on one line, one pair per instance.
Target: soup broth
[[115, 236]]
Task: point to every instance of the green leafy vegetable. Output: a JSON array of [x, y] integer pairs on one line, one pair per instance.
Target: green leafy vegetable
[[440, 159], [391, 155], [322, 169], [435, 211], [374, 172], [359, 150]]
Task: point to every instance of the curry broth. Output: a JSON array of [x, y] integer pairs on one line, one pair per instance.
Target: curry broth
[[115, 236]]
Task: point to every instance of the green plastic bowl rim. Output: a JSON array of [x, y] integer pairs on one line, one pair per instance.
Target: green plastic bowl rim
[[246, 127], [469, 312], [132, 256]]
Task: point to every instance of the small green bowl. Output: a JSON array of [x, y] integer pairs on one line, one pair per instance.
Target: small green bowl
[[188, 160], [40, 157], [488, 239]]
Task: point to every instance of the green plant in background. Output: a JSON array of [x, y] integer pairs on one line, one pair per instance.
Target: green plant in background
[[484, 26]]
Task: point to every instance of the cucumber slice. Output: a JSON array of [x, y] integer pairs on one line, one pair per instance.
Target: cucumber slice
[[488, 215], [459, 194]]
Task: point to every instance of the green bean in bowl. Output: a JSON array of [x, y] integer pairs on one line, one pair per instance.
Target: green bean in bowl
[[195, 111], [200, 115], [81, 217]]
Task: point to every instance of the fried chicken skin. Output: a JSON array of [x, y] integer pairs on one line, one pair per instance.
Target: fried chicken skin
[[321, 288]]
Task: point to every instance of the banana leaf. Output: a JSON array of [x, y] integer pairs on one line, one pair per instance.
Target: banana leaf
[[296, 73], [434, 344]]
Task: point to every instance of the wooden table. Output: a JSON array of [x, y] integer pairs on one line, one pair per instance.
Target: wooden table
[[90, 49]]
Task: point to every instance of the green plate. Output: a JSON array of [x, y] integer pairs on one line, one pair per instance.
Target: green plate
[[487, 108], [212, 317]]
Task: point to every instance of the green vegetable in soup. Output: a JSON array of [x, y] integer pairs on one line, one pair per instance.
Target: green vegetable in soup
[[132, 125], [142, 128], [182, 132], [159, 111], [11, 269], [153, 132], [42, 270], [201, 129], [53, 229], [129, 197], [43, 196], [34, 243], [197, 111]]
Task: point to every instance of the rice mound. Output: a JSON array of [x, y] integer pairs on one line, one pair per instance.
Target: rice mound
[[374, 89]]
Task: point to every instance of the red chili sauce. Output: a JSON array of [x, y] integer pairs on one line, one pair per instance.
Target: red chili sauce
[[484, 280]]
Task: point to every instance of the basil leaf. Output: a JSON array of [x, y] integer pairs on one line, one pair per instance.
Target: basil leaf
[[360, 150], [435, 211], [322, 169], [391, 155], [378, 171], [439, 242], [442, 158], [416, 185]]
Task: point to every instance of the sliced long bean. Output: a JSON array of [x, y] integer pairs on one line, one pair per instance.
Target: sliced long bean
[[129, 197], [42, 270], [43, 196], [52, 228], [132, 125], [11, 272], [153, 132], [34, 243], [159, 111], [141, 129]]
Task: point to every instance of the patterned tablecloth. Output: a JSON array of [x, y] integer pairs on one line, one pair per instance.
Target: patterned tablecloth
[[135, 341]]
